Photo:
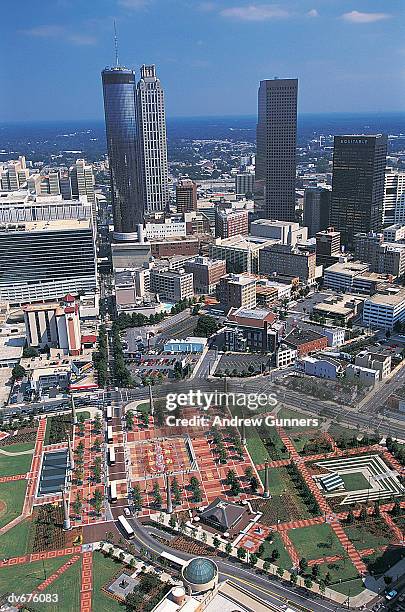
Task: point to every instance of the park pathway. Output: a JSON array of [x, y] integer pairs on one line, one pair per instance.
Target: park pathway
[[87, 582]]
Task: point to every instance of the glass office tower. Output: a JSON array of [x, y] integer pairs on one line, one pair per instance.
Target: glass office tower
[[121, 129]]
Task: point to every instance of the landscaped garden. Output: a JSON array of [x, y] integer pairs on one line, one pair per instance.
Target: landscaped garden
[[355, 481], [16, 541], [286, 503], [275, 552], [104, 569], [25, 578], [58, 428], [67, 586], [316, 541]]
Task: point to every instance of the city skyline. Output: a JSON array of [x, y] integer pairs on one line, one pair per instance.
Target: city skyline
[[215, 46]]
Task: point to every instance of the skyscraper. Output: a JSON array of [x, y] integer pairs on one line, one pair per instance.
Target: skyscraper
[[152, 140], [358, 184], [186, 196], [276, 142], [316, 209], [121, 129], [82, 180]]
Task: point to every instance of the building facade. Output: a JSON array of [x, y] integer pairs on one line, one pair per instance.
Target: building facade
[[358, 185], [186, 196], [383, 310], [121, 131], [237, 291], [171, 285], [244, 183], [229, 223], [152, 140], [394, 197], [206, 273], [284, 259], [316, 209], [44, 260], [276, 145]]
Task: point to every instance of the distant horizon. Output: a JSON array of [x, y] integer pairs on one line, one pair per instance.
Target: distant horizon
[[227, 116]]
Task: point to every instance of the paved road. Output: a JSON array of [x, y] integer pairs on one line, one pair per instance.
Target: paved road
[[269, 589], [206, 365]]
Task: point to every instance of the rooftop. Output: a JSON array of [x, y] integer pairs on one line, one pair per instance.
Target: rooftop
[[253, 243], [348, 267], [239, 279], [299, 336], [389, 298], [46, 226], [258, 314], [200, 570]]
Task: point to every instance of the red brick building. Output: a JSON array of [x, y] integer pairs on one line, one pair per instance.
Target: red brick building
[[230, 223], [305, 341], [174, 246]]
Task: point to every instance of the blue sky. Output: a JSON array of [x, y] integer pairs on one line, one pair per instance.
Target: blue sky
[[348, 54]]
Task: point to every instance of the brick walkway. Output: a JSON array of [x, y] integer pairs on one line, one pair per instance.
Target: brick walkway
[[50, 554], [399, 536], [348, 546], [321, 560], [87, 582], [290, 548], [274, 464], [14, 477], [45, 584]]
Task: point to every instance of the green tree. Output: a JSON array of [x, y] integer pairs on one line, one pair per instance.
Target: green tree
[[228, 548], [241, 553], [308, 583], [216, 542], [18, 372], [280, 571], [253, 559], [156, 494]]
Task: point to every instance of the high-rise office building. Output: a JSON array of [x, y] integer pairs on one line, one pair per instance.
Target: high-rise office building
[[44, 260], [327, 247], [358, 184], [316, 209], [186, 196], [244, 183], [152, 140], [276, 143], [82, 180], [121, 129], [13, 174], [394, 197]]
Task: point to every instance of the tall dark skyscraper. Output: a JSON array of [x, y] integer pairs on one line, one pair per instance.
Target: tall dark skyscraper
[[358, 185], [276, 143], [121, 129]]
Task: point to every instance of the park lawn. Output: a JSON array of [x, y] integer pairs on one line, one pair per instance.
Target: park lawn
[[343, 570], [355, 481], [255, 446], [67, 586], [83, 413], [351, 588], [380, 561], [20, 464], [284, 560], [367, 534], [15, 542], [104, 569], [12, 495], [315, 541], [25, 578]]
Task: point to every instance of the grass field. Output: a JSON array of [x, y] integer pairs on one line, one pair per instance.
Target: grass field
[[15, 542], [340, 570], [369, 534], [20, 464], [379, 562], [255, 446], [285, 502], [68, 589], [104, 569], [12, 497], [26, 578], [284, 559], [315, 541], [355, 481]]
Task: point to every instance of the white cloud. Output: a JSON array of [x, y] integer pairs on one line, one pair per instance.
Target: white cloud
[[255, 12], [313, 13], [57, 31], [358, 17]]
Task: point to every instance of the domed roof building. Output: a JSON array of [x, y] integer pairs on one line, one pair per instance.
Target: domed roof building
[[200, 574]]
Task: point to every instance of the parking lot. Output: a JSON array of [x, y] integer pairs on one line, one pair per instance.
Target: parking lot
[[241, 363]]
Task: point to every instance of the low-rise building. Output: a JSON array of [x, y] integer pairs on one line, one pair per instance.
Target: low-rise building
[[374, 361], [237, 290], [229, 222], [174, 246], [383, 310], [340, 276], [285, 356], [321, 367], [286, 232], [305, 341], [250, 328], [241, 253], [206, 272], [56, 325], [188, 345], [171, 285], [285, 259], [339, 307], [364, 375], [335, 335]]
